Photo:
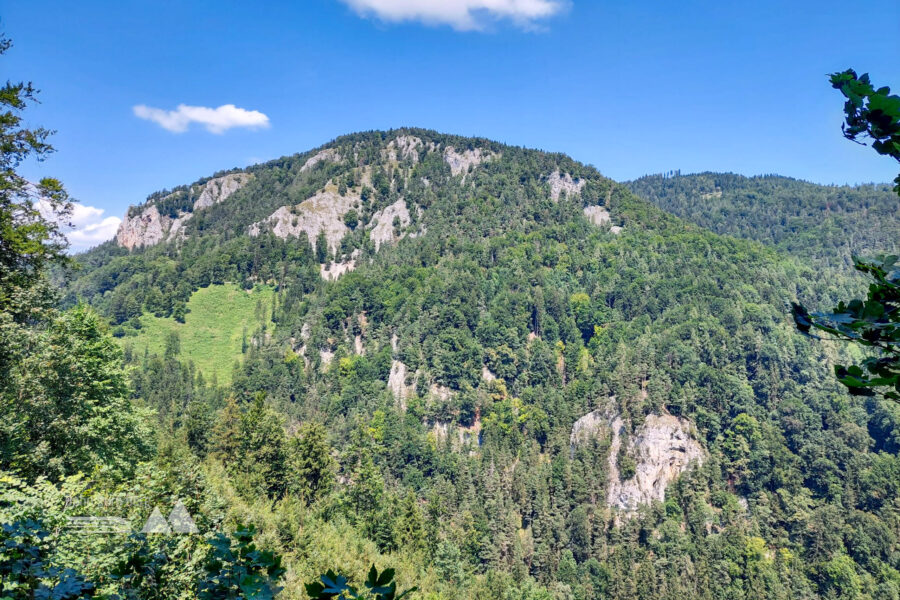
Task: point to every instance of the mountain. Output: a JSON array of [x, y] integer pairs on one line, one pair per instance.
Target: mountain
[[824, 225], [535, 383]]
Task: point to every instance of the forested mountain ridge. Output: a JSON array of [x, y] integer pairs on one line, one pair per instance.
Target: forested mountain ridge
[[509, 353], [825, 225]]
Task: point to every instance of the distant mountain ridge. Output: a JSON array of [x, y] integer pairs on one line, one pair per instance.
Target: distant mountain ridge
[[822, 224]]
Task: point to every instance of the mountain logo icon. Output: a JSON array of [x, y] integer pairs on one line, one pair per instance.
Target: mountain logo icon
[[179, 521]]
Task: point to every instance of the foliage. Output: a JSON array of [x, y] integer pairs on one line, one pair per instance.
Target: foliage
[[62, 392], [67, 408], [25, 573], [512, 316], [310, 465], [470, 485], [67, 411], [217, 319], [379, 586], [874, 322], [870, 113], [825, 226], [28, 240], [237, 569]]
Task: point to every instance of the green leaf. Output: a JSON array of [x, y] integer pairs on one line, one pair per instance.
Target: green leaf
[[386, 577]]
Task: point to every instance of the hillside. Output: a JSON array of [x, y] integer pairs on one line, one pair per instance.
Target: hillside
[[214, 333], [535, 383], [824, 225]]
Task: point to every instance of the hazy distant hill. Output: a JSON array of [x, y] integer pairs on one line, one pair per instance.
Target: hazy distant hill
[[825, 224]]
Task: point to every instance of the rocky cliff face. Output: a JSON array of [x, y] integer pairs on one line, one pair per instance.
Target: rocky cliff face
[[383, 230], [398, 385], [663, 448], [328, 155], [592, 425], [563, 184], [459, 437], [218, 189], [324, 212], [461, 162], [331, 271], [147, 226], [406, 147], [598, 215]]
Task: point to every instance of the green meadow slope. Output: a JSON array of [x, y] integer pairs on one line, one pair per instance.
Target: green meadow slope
[[219, 322]]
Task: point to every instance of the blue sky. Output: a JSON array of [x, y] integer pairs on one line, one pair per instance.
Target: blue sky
[[631, 87]]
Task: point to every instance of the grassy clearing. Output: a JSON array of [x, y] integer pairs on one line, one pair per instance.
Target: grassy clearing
[[213, 331]]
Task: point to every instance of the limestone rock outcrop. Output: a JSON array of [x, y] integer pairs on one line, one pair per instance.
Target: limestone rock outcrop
[[592, 425], [218, 189], [383, 231], [329, 154], [333, 270], [460, 162], [397, 382], [560, 183], [145, 226], [663, 448], [460, 437], [405, 147], [323, 212], [598, 215]]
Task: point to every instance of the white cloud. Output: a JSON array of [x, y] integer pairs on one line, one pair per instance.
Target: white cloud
[[463, 15], [216, 120], [89, 227], [92, 234]]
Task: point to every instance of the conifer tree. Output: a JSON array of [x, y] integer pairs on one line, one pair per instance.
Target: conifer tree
[[310, 464]]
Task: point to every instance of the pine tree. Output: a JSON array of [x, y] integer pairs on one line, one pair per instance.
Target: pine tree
[[227, 432], [263, 446], [411, 524], [310, 464], [322, 247]]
